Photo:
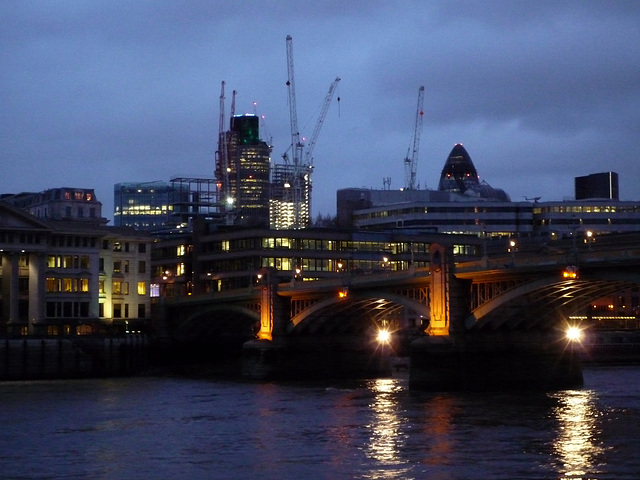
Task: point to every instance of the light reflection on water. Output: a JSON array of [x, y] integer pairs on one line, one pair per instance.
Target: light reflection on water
[[578, 444], [161, 428], [387, 436]]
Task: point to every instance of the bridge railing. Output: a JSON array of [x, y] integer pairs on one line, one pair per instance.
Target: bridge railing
[[545, 260]]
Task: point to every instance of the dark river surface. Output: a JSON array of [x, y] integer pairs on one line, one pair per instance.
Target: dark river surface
[[177, 428]]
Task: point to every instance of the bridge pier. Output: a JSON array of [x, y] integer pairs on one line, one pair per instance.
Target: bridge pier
[[495, 360], [452, 357], [314, 357]]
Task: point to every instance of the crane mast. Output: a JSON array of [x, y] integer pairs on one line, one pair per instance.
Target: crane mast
[[296, 146], [223, 156], [316, 131], [411, 160]]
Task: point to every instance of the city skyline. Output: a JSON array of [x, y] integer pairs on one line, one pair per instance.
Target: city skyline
[[101, 93]]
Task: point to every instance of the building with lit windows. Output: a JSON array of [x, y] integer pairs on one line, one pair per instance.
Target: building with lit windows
[[216, 259], [57, 278], [290, 204], [582, 217], [244, 175], [77, 204], [463, 204], [143, 205], [124, 280]]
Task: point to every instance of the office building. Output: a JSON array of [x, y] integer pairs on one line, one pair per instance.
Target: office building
[[597, 186], [69, 204], [66, 272], [143, 205], [290, 204], [243, 172]]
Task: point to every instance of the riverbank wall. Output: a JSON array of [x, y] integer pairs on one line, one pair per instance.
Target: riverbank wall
[[72, 357]]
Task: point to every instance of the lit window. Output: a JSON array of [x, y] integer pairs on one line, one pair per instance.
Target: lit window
[[142, 288], [117, 287]]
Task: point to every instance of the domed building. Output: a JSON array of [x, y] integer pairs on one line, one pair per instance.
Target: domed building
[[459, 175], [461, 204]]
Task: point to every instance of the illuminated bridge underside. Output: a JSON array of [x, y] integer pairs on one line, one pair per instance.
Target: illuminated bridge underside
[[356, 314], [543, 302]]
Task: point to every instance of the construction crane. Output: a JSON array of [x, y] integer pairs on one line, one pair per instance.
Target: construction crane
[[308, 159], [411, 160], [296, 145], [222, 162]]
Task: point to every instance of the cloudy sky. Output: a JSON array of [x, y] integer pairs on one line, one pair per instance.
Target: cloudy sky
[[96, 92]]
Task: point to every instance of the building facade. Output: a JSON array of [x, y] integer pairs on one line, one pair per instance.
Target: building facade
[[243, 172], [217, 259], [143, 205], [597, 186], [290, 204], [77, 204], [57, 277]]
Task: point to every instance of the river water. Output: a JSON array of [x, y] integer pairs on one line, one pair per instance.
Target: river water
[[177, 428]]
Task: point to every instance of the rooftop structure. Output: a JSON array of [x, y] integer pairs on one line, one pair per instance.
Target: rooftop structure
[[459, 175], [71, 204]]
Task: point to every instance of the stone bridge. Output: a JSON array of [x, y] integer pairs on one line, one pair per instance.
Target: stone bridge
[[493, 322]]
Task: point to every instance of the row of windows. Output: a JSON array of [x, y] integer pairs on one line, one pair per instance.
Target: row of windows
[[446, 210], [122, 246], [68, 261], [122, 266], [589, 221], [67, 285], [26, 238], [73, 241], [122, 310], [587, 209], [119, 287], [67, 309]]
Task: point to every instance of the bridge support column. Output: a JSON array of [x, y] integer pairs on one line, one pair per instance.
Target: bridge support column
[[495, 360], [259, 356], [453, 358]]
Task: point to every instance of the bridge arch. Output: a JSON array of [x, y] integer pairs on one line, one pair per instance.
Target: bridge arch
[[542, 301], [365, 308], [218, 321]]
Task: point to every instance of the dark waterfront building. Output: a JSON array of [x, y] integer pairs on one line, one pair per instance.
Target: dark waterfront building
[[597, 186]]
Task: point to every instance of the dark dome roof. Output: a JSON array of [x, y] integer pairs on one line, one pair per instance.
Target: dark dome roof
[[458, 174]]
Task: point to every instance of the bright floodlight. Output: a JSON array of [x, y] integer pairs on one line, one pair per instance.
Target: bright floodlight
[[384, 336], [574, 334]]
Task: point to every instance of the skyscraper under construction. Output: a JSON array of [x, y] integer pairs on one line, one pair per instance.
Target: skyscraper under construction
[[243, 172], [290, 205]]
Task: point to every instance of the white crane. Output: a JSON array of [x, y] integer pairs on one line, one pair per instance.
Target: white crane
[[316, 131], [411, 161], [222, 163], [302, 160]]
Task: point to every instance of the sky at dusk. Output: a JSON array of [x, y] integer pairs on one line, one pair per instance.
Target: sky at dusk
[[97, 92]]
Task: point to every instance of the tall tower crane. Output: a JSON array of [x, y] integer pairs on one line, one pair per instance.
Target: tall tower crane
[[296, 145], [308, 159], [222, 162], [411, 160], [300, 165]]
